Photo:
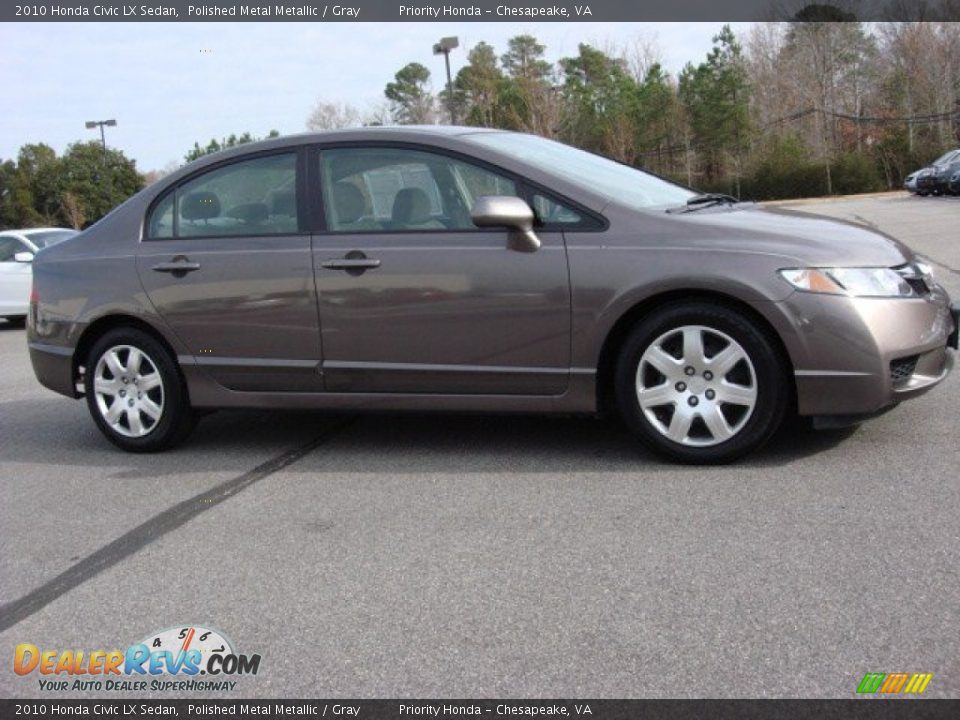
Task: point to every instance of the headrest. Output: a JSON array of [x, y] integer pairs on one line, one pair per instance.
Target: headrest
[[411, 206], [250, 212], [199, 206], [348, 202]]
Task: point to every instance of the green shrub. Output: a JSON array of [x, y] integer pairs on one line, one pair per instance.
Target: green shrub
[[855, 173]]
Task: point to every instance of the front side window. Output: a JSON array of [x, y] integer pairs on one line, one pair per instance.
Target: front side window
[[401, 190], [553, 212], [250, 197]]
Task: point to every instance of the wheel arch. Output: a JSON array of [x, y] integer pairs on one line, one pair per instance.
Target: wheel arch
[[102, 325], [610, 349]]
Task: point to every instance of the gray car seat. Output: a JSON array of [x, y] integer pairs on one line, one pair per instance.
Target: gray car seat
[[411, 210], [349, 207]]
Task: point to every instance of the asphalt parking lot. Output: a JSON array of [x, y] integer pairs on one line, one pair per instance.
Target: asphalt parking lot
[[425, 555]]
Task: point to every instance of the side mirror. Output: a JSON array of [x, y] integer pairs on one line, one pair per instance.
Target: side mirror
[[23, 257], [509, 212]]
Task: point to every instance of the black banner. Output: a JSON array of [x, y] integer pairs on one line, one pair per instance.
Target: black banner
[[515, 11], [460, 709]]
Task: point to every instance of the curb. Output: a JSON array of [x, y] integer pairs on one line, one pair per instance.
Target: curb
[[891, 194]]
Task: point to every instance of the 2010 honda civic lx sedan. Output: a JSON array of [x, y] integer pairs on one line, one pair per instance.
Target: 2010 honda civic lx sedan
[[477, 270]]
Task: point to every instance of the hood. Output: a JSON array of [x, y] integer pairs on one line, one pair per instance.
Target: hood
[[801, 237]]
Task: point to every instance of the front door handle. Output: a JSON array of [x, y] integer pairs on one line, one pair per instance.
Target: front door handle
[[179, 266], [354, 263]]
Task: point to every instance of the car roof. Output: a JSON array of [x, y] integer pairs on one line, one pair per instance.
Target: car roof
[[27, 232], [372, 132]]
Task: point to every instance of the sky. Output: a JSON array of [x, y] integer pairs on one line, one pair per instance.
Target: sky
[[169, 85]]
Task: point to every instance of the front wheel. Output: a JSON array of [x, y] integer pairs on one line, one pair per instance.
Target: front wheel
[[135, 392], [701, 383]]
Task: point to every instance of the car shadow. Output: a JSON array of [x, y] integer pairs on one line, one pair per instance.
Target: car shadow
[[7, 326], [54, 431]]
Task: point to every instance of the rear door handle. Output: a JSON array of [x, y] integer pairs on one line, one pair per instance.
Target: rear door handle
[[351, 264], [177, 267]]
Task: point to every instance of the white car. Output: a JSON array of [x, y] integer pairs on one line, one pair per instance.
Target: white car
[[17, 248]]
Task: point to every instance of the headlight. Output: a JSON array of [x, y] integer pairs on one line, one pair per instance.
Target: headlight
[[856, 282]]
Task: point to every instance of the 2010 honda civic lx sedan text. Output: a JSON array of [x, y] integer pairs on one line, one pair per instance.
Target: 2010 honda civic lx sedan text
[[477, 270]]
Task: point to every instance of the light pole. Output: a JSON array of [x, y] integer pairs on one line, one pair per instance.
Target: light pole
[[103, 140], [443, 48]]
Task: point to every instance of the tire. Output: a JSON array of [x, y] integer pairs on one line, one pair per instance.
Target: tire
[[159, 416], [727, 399]]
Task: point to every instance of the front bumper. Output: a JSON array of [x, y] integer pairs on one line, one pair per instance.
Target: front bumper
[[858, 356]]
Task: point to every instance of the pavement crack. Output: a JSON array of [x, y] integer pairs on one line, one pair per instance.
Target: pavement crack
[[153, 529]]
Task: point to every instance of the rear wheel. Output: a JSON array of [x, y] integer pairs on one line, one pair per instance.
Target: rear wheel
[[700, 383], [135, 392]]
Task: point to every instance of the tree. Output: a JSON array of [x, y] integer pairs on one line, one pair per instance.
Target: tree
[[215, 146], [716, 96], [603, 101], [658, 116], [36, 191], [332, 116], [477, 88], [72, 211], [412, 103], [828, 61], [95, 183], [8, 171], [528, 99], [524, 59], [76, 189]]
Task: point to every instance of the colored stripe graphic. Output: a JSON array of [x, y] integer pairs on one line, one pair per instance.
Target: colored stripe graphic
[[894, 683], [871, 682], [918, 683]]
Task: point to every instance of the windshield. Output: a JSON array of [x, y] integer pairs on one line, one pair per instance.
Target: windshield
[[50, 237], [591, 172], [945, 157]]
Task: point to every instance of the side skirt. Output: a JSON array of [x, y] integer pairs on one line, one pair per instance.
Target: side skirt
[[580, 398]]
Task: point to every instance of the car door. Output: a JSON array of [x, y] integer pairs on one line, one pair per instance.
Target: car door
[[414, 298], [15, 277], [225, 262]]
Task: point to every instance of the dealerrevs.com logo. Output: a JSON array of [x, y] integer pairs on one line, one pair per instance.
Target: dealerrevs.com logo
[[186, 658]]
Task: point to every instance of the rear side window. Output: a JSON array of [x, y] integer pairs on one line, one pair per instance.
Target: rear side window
[[249, 197]]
